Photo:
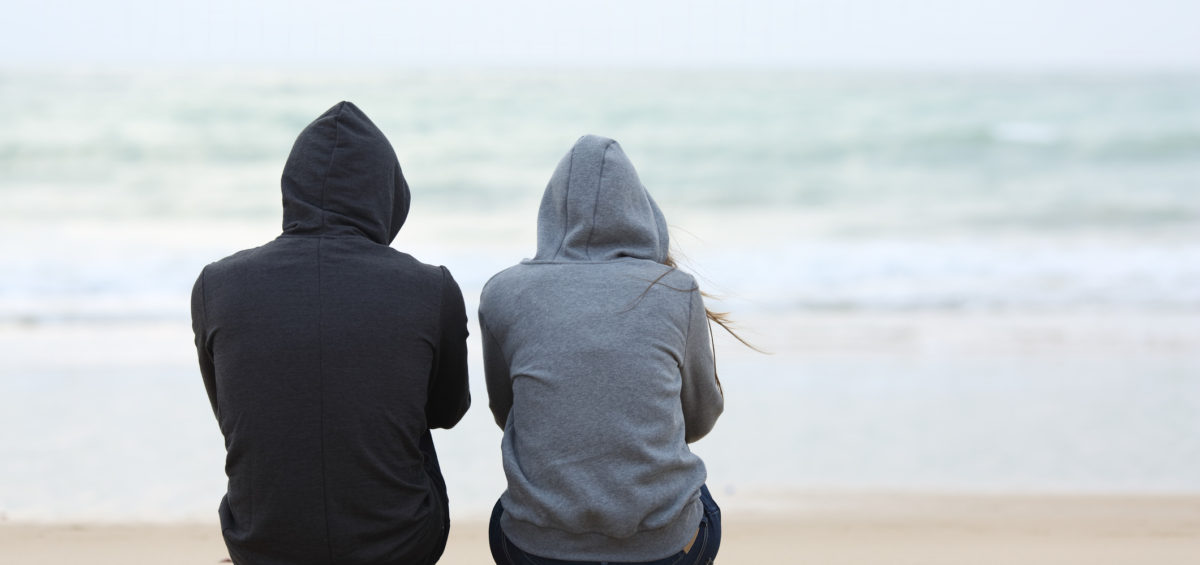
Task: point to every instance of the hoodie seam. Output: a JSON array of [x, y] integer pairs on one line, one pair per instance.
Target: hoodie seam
[[321, 389], [566, 204], [621, 259], [204, 306], [503, 354], [337, 137], [587, 246], [358, 236], [436, 369], [687, 334], [203, 335], [487, 331]]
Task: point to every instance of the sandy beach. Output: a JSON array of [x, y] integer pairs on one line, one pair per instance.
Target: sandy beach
[[798, 527]]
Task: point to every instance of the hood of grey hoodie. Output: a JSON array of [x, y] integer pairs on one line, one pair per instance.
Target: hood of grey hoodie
[[342, 178], [596, 209]]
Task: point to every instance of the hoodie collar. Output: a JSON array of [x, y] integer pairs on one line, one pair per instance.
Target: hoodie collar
[[342, 178]]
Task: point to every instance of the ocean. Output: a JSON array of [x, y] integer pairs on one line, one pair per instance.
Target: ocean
[[966, 282]]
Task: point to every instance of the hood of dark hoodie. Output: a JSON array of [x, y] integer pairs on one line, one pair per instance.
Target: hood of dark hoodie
[[596, 209], [343, 179]]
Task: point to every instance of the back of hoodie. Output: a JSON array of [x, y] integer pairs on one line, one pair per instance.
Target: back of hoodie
[[599, 376], [327, 356]]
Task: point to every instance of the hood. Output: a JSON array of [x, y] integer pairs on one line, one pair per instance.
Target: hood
[[596, 209], [343, 178]]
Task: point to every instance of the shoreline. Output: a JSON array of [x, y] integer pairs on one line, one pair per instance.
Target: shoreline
[[798, 527]]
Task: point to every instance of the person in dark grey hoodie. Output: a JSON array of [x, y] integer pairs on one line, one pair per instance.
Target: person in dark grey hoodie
[[327, 357], [599, 368]]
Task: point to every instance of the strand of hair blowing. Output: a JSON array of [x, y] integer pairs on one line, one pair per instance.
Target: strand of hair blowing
[[720, 318]]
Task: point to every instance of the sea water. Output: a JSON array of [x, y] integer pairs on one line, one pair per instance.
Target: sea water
[[965, 281]]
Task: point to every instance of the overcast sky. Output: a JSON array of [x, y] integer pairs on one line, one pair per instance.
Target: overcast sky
[[897, 34]]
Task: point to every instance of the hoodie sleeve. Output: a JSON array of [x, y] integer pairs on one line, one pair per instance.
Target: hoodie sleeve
[[200, 330], [701, 395], [449, 392], [496, 372]]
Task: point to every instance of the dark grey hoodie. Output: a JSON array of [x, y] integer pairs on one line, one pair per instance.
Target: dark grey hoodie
[[327, 356], [599, 378]]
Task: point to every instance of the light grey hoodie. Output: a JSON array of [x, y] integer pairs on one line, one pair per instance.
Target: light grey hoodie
[[599, 377]]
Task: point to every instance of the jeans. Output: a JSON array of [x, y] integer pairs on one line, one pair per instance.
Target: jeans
[[703, 552]]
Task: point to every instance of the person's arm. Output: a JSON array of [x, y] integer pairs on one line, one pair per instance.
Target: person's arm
[[449, 392], [496, 373], [200, 330], [701, 395]]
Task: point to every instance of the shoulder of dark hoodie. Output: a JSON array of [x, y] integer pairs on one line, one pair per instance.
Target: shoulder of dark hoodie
[[232, 262], [433, 274]]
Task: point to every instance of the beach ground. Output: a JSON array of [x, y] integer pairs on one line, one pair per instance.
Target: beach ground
[[828, 528]]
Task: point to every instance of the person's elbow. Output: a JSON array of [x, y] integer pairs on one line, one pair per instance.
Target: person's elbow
[[697, 427], [500, 414], [449, 417]]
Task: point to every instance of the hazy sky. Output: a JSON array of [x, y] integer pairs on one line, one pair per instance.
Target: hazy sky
[[929, 34]]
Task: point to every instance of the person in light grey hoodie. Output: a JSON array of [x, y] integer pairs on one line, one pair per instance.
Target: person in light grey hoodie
[[600, 370]]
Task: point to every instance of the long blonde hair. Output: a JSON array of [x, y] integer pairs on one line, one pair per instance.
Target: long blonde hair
[[720, 318]]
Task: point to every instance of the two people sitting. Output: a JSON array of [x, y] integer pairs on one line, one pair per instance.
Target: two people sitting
[[328, 356]]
